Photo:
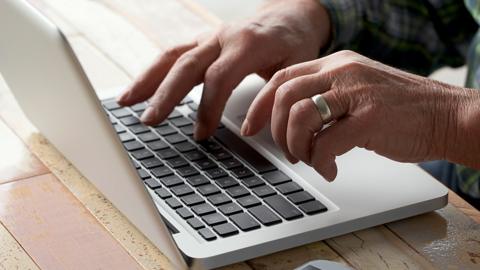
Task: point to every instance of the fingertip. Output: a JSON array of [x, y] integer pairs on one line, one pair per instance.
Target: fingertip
[[330, 173], [149, 116], [245, 130], [122, 99], [200, 132]]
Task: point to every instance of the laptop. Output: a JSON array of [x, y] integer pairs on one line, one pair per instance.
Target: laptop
[[203, 204]]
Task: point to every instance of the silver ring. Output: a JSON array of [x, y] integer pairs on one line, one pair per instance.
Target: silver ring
[[322, 108]]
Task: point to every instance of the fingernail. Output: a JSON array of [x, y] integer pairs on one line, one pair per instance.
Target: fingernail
[[331, 172], [199, 132], [244, 131], [149, 115]]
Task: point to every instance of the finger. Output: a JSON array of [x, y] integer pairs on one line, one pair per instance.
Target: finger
[[233, 65], [288, 94], [187, 72], [146, 84], [260, 110], [334, 141], [303, 123]]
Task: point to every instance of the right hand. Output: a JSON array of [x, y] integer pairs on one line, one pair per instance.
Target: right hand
[[283, 33]]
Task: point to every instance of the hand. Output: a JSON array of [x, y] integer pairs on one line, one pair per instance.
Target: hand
[[283, 33], [401, 116]]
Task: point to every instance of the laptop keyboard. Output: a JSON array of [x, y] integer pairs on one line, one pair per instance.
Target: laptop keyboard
[[219, 186]]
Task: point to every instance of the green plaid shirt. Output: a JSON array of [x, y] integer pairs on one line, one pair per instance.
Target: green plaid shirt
[[415, 35]]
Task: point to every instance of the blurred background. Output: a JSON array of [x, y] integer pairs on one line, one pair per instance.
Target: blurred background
[[232, 10]]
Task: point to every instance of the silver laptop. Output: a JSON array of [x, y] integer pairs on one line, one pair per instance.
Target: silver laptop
[[203, 204]]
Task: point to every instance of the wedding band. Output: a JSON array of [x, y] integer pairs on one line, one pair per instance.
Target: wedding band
[[322, 108]]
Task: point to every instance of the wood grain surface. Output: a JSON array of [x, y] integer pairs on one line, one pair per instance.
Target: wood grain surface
[[115, 40]]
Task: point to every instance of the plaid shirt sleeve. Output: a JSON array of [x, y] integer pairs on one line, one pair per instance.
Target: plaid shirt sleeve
[[415, 35]]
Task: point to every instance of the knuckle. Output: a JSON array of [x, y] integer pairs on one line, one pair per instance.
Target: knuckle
[[346, 53], [284, 93], [173, 53], [280, 76], [189, 61], [215, 77], [300, 111]]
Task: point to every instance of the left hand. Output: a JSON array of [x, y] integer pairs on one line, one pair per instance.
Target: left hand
[[399, 115]]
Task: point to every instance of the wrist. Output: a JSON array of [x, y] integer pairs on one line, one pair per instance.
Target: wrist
[[462, 142]]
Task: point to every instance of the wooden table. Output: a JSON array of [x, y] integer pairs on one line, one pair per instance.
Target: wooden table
[[53, 218]]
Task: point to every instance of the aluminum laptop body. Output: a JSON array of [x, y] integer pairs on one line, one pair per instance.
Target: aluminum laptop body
[[53, 91]]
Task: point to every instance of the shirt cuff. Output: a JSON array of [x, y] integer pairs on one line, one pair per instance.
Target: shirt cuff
[[346, 17]]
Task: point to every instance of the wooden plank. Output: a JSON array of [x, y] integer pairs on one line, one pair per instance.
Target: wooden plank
[[463, 206], [16, 162], [447, 238], [55, 229], [12, 255], [134, 242]]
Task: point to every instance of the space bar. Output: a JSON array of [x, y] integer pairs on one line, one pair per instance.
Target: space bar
[[245, 151]]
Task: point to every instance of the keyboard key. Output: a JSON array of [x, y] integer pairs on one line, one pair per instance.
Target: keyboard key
[[139, 107], [175, 138], [283, 207], [174, 114], [187, 130], [207, 234], [130, 120], [218, 199], [214, 219], [210, 145], [126, 137], [157, 145], [186, 100], [205, 164], [290, 187], [173, 203], [245, 222], [194, 155], [151, 163], [207, 190], [171, 181], [118, 128], [148, 137], [276, 177], [167, 153], [237, 191], [152, 183], [143, 174], [264, 215], [184, 213], [203, 209], [160, 172], [187, 171], [119, 113], [177, 162], [137, 166], [230, 209], [300, 197], [111, 105], [163, 193], [165, 130], [192, 199], [226, 182], [185, 147], [245, 151], [252, 182], [225, 229], [193, 106], [197, 180], [112, 119], [312, 207], [195, 223], [248, 201], [141, 154], [242, 172], [133, 145], [181, 121], [221, 155], [264, 191], [216, 173], [137, 129], [181, 190], [231, 163]]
